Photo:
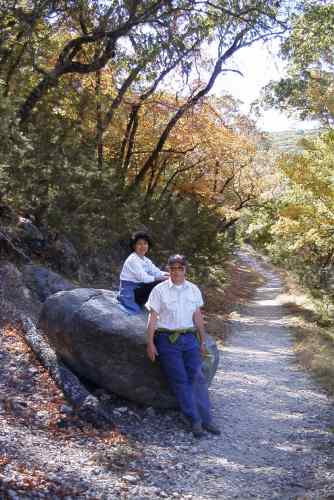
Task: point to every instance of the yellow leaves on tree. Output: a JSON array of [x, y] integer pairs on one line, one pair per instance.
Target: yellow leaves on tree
[[306, 218]]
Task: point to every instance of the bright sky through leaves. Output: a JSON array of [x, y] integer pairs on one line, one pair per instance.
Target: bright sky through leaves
[[259, 64]]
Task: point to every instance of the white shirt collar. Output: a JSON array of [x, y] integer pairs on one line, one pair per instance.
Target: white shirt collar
[[183, 285], [139, 257]]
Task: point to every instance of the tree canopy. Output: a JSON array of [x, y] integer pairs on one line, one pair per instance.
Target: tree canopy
[[308, 87], [296, 225], [108, 113]]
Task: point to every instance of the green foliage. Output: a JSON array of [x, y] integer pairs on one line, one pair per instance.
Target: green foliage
[[91, 148], [297, 228], [255, 225], [192, 229], [309, 86]]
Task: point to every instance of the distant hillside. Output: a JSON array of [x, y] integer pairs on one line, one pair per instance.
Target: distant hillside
[[287, 141]]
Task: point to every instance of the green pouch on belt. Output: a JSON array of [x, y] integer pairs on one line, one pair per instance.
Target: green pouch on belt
[[173, 335]]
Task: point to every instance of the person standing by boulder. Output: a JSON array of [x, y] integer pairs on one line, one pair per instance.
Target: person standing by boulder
[[176, 335], [139, 275]]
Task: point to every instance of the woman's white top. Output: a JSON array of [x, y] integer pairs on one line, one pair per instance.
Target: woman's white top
[[175, 304], [140, 270]]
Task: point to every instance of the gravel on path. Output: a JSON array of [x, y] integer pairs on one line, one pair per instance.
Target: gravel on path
[[277, 427]]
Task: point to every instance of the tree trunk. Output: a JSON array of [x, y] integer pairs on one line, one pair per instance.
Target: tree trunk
[[99, 124]]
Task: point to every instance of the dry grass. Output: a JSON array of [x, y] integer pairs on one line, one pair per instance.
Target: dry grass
[[314, 346], [222, 301], [314, 336], [316, 353]]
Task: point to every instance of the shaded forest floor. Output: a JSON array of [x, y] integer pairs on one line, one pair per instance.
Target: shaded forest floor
[[314, 337]]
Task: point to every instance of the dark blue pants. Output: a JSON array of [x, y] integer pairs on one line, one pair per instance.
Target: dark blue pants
[[134, 295], [182, 364], [126, 296]]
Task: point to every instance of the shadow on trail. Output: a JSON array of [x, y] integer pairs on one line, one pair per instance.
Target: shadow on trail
[[275, 418]]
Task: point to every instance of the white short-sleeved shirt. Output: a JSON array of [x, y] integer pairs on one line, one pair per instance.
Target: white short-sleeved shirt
[[175, 304], [140, 270]]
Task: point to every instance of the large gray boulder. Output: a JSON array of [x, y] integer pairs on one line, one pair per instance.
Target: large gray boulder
[[95, 337], [64, 255], [44, 282], [15, 295]]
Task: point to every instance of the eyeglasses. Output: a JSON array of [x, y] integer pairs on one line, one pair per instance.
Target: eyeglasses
[[177, 268]]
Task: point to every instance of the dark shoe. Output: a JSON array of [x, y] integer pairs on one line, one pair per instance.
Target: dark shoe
[[197, 430], [210, 427], [186, 421]]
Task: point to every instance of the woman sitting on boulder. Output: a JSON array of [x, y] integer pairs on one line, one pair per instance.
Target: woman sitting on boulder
[[139, 275]]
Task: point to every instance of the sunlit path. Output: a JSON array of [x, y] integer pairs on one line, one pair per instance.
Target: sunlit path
[[276, 421]]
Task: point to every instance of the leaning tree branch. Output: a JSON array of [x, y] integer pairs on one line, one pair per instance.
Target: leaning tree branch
[[122, 91], [65, 63], [9, 245], [183, 109], [177, 173], [133, 122]]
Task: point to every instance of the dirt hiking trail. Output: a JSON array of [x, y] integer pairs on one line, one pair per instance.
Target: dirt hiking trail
[[277, 424]]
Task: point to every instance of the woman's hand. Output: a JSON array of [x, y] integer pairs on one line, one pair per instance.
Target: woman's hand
[[151, 351], [164, 277]]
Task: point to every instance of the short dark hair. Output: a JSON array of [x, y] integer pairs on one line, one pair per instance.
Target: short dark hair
[[177, 259], [139, 235]]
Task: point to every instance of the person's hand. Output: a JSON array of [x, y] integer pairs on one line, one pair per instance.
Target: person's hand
[[164, 277], [151, 351], [203, 348]]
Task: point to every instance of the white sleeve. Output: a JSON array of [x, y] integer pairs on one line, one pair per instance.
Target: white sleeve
[[155, 271], [154, 301], [135, 270], [198, 296]]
